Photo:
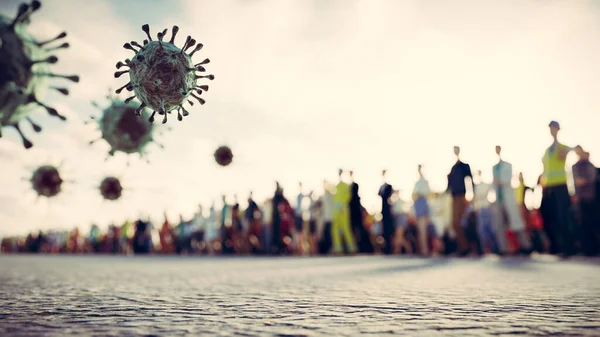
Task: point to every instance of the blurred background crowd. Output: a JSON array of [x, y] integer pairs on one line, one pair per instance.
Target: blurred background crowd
[[471, 217]]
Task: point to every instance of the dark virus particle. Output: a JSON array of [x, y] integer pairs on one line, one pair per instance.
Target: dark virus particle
[[111, 188], [223, 156], [24, 71], [162, 75], [46, 181], [122, 129]]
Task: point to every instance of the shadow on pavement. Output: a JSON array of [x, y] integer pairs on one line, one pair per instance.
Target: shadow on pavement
[[426, 264]]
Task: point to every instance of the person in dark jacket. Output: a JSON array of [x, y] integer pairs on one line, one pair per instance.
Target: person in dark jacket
[[456, 185], [253, 217], [141, 238], [585, 177], [277, 244], [361, 235], [389, 227]]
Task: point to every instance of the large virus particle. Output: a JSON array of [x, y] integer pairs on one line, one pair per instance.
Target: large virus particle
[[111, 188], [24, 71], [122, 129], [223, 156], [162, 75], [46, 181]]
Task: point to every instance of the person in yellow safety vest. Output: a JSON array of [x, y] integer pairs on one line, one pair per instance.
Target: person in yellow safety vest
[[556, 198], [341, 218]]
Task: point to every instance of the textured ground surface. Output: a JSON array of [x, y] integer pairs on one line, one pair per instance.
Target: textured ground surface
[[171, 296]]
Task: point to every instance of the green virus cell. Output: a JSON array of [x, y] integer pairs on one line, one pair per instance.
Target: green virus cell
[[162, 75], [121, 128], [111, 188], [46, 181], [24, 71]]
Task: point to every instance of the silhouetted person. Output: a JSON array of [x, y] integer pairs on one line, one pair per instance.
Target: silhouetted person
[[556, 195], [363, 239], [520, 195], [299, 221], [420, 193], [487, 229], [585, 175], [456, 184], [387, 218], [253, 219], [327, 206], [141, 238], [237, 227], [182, 241], [277, 244], [226, 229], [235, 215], [507, 203], [341, 229], [166, 236], [315, 213]]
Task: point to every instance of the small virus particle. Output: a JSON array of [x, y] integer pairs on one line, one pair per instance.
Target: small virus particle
[[46, 181], [223, 156], [163, 76], [111, 188], [24, 71], [122, 129]]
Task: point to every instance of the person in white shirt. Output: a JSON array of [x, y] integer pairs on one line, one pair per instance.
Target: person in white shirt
[[507, 201]]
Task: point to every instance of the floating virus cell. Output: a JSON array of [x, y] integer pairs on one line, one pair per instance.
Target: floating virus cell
[[122, 129], [223, 156], [46, 181], [163, 76], [24, 71], [111, 188]]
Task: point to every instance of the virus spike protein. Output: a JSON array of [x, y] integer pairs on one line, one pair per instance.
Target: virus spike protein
[[162, 75], [24, 70]]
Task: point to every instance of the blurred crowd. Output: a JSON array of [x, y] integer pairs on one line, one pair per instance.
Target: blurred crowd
[[493, 219]]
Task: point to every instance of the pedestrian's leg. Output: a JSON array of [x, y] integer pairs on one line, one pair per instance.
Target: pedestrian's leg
[[563, 203], [347, 231], [595, 226], [588, 238], [549, 215], [388, 235], [495, 245], [422, 226], [458, 210], [335, 233], [482, 233]]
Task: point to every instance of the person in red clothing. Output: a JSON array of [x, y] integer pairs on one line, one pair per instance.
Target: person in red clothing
[[536, 227], [166, 237], [287, 215]]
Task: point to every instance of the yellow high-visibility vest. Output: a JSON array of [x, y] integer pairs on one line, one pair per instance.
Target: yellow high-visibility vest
[[554, 167]]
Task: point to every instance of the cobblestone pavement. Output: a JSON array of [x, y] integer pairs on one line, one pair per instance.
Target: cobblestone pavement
[[172, 296]]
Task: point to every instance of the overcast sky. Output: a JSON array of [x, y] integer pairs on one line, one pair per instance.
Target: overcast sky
[[304, 87]]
